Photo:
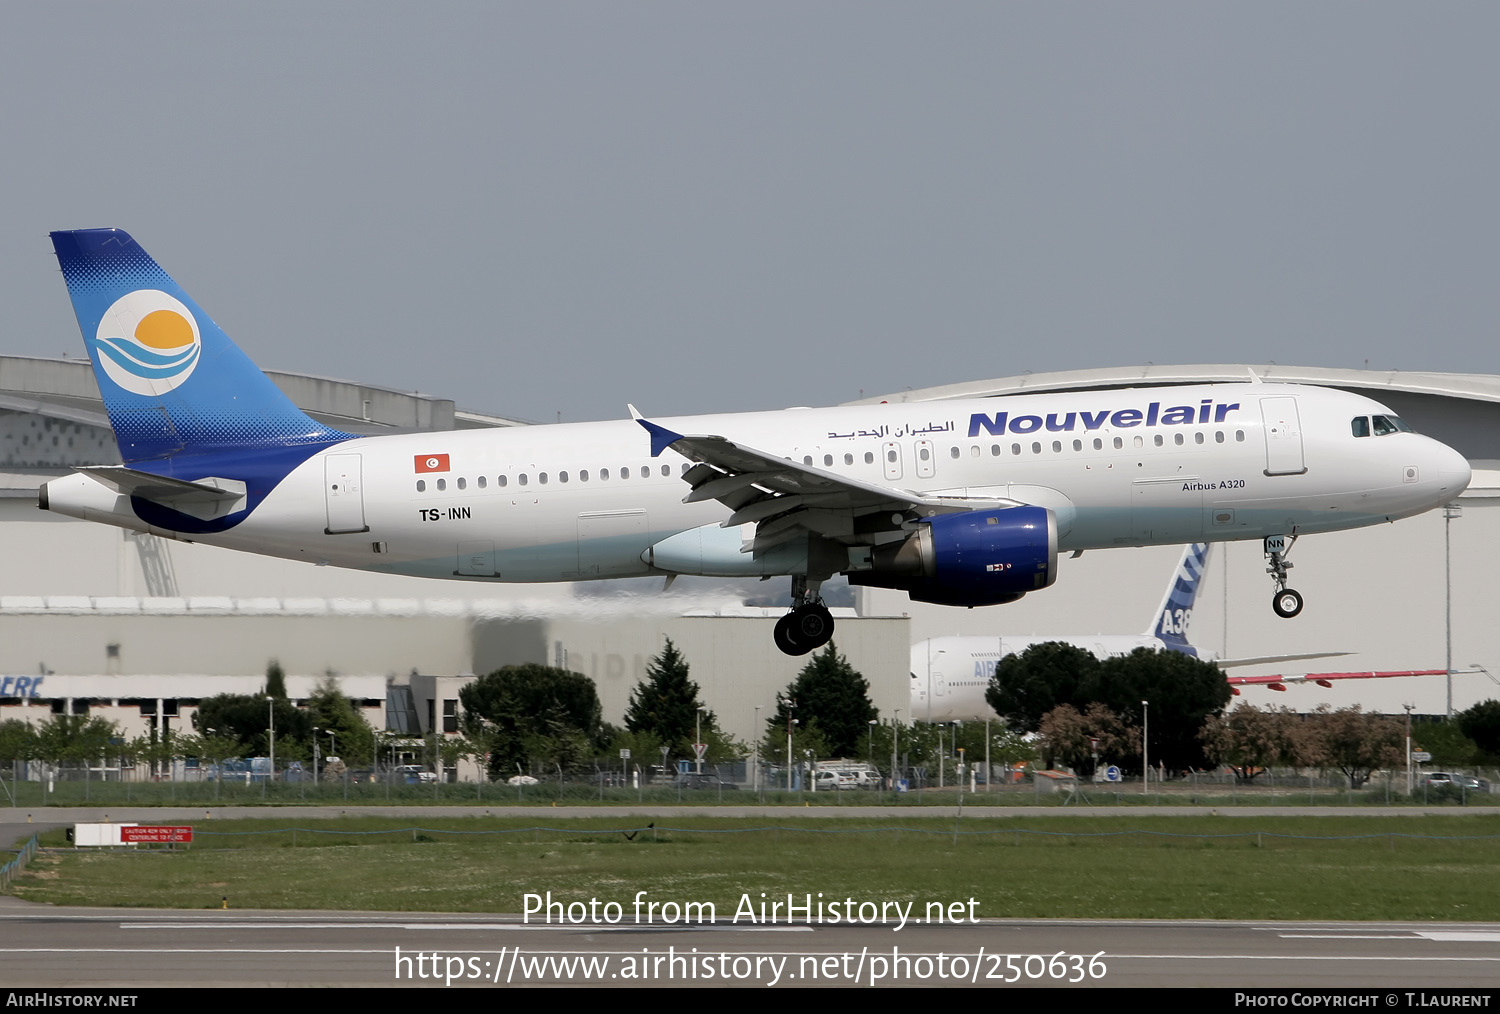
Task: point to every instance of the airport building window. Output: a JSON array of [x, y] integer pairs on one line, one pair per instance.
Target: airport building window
[[421, 485], [450, 716]]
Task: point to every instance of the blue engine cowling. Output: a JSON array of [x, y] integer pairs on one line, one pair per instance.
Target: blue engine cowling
[[974, 558]]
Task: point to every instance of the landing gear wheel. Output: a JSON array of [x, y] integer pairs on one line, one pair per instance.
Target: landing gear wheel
[[1286, 603], [814, 626], [804, 629], [785, 636]]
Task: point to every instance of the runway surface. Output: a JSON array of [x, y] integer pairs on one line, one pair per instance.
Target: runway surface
[[44, 946]]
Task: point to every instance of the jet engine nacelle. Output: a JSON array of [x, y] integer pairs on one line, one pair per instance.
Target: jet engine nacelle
[[974, 558]]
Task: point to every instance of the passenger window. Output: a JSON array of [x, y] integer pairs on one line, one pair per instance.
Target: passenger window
[[583, 475], [463, 483], [1036, 448], [807, 459], [1119, 443], [1219, 436], [684, 467], [924, 453], [1197, 438], [1057, 447], [562, 476], [974, 451], [869, 457], [1177, 439], [994, 450], [1239, 436], [1078, 445], [1361, 426], [1158, 440], [625, 472], [1098, 444], [848, 459], [483, 482], [827, 460], [603, 475], [1015, 448], [501, 481], [541, 478], [521, 478], [421, 485], [890, 456], [1140, 441], [442, 484]]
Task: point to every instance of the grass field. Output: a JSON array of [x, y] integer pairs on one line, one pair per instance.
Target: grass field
[[1123, 867]]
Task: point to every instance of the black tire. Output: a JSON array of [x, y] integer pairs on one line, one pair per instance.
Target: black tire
[[813, 625], [1286, 603], [784, 636]]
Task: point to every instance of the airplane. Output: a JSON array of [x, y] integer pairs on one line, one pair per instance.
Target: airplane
[[964, 503], [949, 675]]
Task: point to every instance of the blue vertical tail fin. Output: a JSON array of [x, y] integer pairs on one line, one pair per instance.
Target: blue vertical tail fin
[[1170, 624], [173, 383]]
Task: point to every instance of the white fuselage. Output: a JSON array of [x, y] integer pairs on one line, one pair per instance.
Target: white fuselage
[[585, 500]]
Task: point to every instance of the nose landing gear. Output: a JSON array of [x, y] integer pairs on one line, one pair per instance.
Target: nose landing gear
[[809, 625], [1285, 602]]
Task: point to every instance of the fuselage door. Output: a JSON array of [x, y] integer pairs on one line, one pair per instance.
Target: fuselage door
[[925, 464], [344, 494], [1283, 431]]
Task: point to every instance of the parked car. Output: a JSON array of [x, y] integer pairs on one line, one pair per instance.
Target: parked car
[[521, 780], [694, 780], [414, 774], [1437, 778], [1473, 784]]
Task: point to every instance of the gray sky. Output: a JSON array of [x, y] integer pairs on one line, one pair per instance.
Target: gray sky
[[543, 208]]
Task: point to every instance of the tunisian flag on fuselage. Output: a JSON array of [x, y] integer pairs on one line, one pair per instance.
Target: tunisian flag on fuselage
[[432, 462]]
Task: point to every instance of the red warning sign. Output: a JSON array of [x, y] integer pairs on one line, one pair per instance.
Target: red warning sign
[[156, 834]]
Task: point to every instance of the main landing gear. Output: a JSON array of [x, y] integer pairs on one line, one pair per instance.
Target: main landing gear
[[1285, 603], [809, 625]]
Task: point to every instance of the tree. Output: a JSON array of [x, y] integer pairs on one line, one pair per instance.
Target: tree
[[1250, 740], [533, 714], [243, 718], [665, 705], [1183, 692], [275, 681], [1356, 743], [1027, 685], [330, 711], [1481, 723], [74, 738], [1066, 735], [831, 697], [17, 740], [1446, 741]]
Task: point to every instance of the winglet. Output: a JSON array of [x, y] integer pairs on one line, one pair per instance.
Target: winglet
[[661, 437]]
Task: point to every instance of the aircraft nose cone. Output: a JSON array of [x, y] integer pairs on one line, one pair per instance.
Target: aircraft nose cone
[[1454, 473]]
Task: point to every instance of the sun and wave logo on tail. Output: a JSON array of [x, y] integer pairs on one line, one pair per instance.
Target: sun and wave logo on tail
[[148, 342]]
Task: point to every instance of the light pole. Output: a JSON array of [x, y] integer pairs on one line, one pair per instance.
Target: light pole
[[988, 771], [895, 735], [1450, 512], [1145, 745], [316, 730], [698, 742], [870, 742], [755, 771], [1409, 787], [271, 733]]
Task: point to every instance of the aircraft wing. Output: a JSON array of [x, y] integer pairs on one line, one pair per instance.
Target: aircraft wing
[[1324, 679], [1229, 663], [785, 498]]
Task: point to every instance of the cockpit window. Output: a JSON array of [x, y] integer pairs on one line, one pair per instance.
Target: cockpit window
[[1384, 424], [1361, 426]]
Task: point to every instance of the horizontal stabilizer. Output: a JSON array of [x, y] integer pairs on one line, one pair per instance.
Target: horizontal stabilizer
[[204, 498], [1230, 663]]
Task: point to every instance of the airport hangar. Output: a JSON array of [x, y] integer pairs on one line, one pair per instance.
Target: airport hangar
[[137, 629]]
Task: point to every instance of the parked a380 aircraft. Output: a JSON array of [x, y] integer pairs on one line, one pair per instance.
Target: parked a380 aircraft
[[949, 675], [963, 503]]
